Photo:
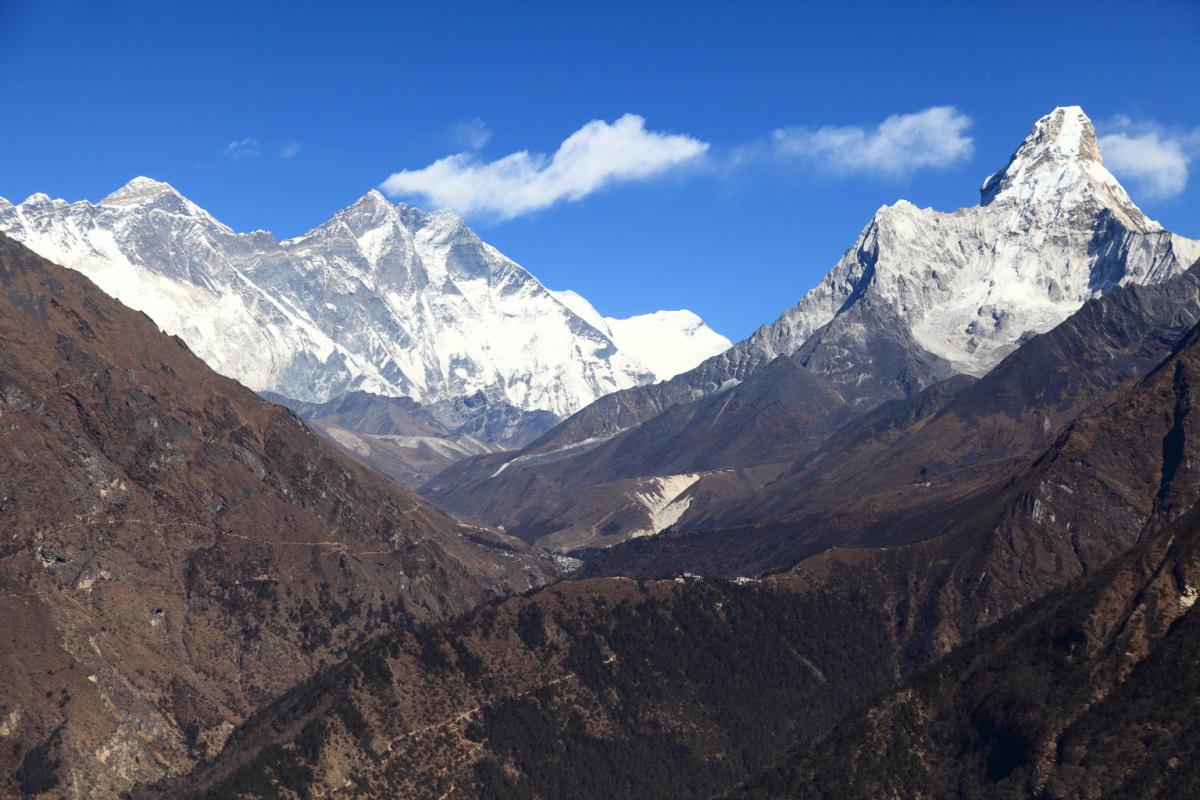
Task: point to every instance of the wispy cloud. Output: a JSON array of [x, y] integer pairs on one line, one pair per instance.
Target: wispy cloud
[[934, 138], [1153, 159], [289, 149], [242, 149], [602, 153], [597, 155], [472, 134]]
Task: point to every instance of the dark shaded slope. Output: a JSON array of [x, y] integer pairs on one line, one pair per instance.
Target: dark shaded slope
[[1092, 692], [176, 550], [594, 689]]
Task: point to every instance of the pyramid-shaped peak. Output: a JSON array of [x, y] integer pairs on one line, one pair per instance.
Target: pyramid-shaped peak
[[1063, 138], [139, 190], [1066, 132], [1059, 166], [373, 199], [142, 183], [144, 195], [371, 208]]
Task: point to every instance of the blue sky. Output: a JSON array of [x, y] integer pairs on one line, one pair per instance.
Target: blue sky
[[756, 161]]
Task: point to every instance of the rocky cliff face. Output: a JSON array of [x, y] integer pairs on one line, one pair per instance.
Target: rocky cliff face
[[177, 551], [381, 298]]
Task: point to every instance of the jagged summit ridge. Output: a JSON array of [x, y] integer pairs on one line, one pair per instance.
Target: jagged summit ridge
[[1059, 163], [1055, 228], [1065, 134], [381, 297]]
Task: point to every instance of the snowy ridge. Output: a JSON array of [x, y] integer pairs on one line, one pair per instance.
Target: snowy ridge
[[381, 297], [549, 455], [1054, 229], [665, 342]]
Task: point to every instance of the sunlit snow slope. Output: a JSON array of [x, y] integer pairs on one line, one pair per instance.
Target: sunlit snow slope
[[1054, 228], [381, 297]]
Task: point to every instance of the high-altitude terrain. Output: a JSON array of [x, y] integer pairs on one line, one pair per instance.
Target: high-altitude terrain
[[685, 687], [178, 551], [608, 688], [921, 296], [382, 298], [930, 534], [1089, 693]]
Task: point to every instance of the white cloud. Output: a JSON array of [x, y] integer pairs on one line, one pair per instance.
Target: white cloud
[[1157, 167], [241, 149], [472, 134], [289, 149], [1150, 157], [595, 156], [902, 143]]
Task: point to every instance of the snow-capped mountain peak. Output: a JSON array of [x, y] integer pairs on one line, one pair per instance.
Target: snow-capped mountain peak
[[922, 294], [666, 342], [1058, 166], [148, 195], [1054, 229], [381, 297], [39, 199], [372, 206], [139, 190]]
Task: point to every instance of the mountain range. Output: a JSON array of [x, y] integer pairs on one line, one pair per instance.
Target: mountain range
[[179, 550], [932, 533], [921, 296], [688, 687], [380, 298]]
